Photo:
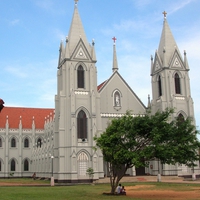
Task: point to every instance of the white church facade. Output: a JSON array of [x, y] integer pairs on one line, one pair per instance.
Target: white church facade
[[59, 142]]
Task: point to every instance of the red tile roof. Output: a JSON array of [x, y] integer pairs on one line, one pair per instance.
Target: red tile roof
[[26, 114], [100, 86]]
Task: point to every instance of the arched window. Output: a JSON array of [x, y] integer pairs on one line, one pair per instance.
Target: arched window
[[39, 142], [159, 87], [117, 100], [80, 77], [26, 143], [82, 125], [26, 165], [13, 142], [177, 84], [12, 166], [82, 164], [0, 142], [180, 119]]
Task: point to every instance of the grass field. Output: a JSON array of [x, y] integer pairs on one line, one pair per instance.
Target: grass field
[[94, 192]]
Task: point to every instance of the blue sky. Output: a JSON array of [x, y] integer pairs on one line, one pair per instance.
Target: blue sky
[[31, 31]]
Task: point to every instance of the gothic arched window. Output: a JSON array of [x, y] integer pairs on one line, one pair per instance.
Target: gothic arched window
[[0, 142], [26, 143], [180, 119], [13, 142], [117, 100], [12, 166], [80, 77], [82, 125], [39, 142], [26, 165], [177, 84], [82, 164], [159, 87]]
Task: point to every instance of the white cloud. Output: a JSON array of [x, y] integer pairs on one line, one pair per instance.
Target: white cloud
[[16, 71], [142, 3], [45, 4], [191, 47], [14, 22], [50, 6], [179, 5], [60, 34]]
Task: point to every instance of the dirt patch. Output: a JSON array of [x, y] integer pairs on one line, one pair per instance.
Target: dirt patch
[[145, 192]]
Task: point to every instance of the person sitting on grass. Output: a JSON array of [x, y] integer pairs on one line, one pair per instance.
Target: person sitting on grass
[[123, 191], [34, 176], [118, 189]]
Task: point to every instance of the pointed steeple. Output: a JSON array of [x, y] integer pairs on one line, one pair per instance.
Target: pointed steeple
[[167, 44], [115, 64], [76, 31]]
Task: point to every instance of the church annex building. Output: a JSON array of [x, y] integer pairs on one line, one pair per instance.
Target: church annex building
[[59, 142]]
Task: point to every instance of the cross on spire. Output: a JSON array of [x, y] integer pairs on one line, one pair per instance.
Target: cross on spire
[[114, 39], [76, 1], [165, 14]]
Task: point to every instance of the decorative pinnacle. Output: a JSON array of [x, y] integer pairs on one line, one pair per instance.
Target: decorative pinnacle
[[93, 43], [165, 14]]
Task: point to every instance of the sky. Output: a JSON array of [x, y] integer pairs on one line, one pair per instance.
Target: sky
[[31, 31]]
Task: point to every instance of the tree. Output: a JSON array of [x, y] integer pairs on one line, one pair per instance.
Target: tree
[[90, 172], [129, 141]]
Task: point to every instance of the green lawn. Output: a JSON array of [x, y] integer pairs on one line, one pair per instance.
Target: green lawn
[[80, 192]]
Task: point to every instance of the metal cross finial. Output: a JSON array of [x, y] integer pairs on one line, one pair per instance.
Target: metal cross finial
[[114, 39], [76, 1], [165, 14]]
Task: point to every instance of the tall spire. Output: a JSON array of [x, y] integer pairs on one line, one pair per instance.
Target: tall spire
[[76, 31], [167, 44], [115, 65]]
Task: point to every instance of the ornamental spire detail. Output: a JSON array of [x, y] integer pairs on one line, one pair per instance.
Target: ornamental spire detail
[[165, 14]]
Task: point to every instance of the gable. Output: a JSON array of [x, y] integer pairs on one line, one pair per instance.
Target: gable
[[128, 100], [176, 62], [80, 52], [157, 65]]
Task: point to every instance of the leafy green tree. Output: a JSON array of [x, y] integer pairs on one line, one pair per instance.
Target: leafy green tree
[[129, 141], [90, 172]]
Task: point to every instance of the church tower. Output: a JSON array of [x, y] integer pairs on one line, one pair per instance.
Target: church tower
[[77, 108], [170, 77]]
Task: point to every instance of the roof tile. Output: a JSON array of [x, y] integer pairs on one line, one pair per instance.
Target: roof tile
[[26, 114]]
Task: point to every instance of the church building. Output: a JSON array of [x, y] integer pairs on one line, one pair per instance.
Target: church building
[[59, 143]]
